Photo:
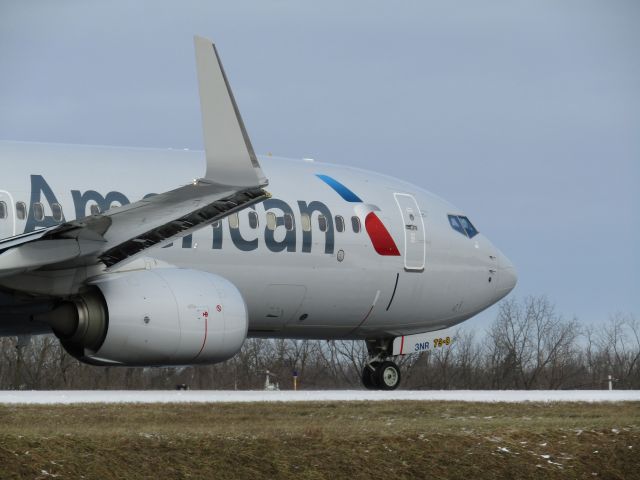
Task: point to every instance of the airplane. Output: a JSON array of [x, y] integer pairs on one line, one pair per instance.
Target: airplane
[[149, 257]]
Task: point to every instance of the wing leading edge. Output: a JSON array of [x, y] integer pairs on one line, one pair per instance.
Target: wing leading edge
[[233, 180]]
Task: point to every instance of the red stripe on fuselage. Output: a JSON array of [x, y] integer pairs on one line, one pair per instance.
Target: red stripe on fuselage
[[380, 238]]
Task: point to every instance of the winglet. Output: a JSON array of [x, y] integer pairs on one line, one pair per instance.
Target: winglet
[[230, 156]]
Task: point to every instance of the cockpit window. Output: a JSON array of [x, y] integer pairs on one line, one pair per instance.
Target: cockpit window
[[463, 225], [468, 227], [455, 224]]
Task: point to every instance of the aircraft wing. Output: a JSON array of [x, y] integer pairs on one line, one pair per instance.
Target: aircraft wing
[[233, 180]]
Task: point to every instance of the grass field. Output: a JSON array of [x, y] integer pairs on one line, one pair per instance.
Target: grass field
[[372, 440]]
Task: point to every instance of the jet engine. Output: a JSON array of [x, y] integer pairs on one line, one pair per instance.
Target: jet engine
[[153, 317]]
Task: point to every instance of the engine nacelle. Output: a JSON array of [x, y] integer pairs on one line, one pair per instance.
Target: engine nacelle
[[154, 317]]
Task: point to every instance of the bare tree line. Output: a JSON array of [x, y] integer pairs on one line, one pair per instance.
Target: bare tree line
[[528, 346]]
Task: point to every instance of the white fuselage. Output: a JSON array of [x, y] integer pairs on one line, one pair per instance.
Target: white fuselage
[[297, 280]]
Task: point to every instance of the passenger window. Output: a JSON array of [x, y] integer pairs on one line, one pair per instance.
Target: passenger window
[[468, 227], [455, 224], [3, 210], [322, 223], [234, 221], [21, 210], [339, 223], [271, 221], [253, 219], [305, 220], [355, 224], [38, 211], [288, 221], [95, 209], [56, 211]]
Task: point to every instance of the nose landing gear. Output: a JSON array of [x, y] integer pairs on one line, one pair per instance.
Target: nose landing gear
[[378, 373], [381, 376]]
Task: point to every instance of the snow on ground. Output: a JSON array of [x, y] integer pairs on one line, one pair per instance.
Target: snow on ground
[[206, 396]]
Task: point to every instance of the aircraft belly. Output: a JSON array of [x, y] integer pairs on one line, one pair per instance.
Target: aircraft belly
[[284, 295], [330, 301]]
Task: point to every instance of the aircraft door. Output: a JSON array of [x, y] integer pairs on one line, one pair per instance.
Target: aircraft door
[[414, 233], [7, 215]]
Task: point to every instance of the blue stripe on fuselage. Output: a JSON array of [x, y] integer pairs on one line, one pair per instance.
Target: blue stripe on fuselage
[[343, 191]]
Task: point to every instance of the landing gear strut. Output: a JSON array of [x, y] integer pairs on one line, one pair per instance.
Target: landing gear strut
[[379, 373]]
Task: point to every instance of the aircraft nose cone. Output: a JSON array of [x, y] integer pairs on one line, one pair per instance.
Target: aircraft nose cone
[[507, 275]]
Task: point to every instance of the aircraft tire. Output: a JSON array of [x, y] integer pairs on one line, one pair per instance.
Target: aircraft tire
[[387, 376], [370, 377]]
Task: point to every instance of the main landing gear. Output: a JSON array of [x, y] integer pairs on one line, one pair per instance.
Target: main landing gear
[[379, 373]]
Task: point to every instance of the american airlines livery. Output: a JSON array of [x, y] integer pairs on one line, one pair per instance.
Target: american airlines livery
[[138, 257]]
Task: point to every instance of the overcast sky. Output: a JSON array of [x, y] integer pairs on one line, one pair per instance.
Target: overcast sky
[[526, 115]]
